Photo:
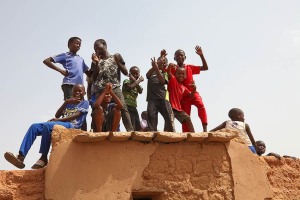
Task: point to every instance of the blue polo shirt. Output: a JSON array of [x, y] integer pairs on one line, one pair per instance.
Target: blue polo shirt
[[74, 65]]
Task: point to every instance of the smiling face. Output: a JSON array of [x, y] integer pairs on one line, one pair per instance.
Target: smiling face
[[78, 91], [179, 57], [180, 74], [74, 45], [162, 63], [260, 147], [135, 72], [107, 98]]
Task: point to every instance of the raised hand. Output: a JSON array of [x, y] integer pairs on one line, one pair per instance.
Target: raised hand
[[163, 53], [141, 79], [198, 50], [95, 58], [154, 63]]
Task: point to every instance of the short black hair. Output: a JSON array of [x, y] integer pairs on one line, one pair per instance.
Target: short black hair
[[72, 39], [163, 57], [233, 112], [134, 67], [179, 51], [101, 41]]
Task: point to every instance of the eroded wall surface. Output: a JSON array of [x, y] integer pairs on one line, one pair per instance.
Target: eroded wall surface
[[114, 166]]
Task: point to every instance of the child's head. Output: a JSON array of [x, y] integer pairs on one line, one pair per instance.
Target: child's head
[[180, 74], [107, 98], [144, 115], [179, 56], [135, 72], [162, 62], [74, 44], [236, 114], [78, 91], [100, 41], [260, 147], [100, 47]]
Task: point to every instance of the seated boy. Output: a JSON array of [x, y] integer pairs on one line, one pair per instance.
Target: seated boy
[[237, 122], [73, 112], [176, 92], [106, 115]]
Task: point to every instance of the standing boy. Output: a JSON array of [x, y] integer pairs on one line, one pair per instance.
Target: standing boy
[[108, 70], [196, 99], [131, 88], [237, 122], [73, 112], [177, 91], [74, 66], [158, 97]]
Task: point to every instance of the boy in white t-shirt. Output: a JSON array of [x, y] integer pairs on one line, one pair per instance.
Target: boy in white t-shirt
[[237, 123]]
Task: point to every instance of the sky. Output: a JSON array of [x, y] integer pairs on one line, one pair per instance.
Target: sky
[[250, 47]]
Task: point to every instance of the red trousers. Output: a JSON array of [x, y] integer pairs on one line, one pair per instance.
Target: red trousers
[[186, 106]]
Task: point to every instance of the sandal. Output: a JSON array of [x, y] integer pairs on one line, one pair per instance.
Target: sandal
[[14, 160], [39, 164]]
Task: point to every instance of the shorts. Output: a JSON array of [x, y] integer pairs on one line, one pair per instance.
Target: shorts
[[181, 116]]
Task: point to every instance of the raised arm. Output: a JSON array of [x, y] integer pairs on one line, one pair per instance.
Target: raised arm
[[119, 105], [135, 83], [50, 63], [200, 53], [156, 69], [121, 64]]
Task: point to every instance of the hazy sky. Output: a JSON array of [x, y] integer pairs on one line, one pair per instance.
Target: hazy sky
[[251, 47]]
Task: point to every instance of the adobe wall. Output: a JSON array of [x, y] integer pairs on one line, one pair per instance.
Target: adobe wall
[[161, 166]]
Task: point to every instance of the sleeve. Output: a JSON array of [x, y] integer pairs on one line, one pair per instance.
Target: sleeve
[[124, 84], [60, 58], [85, 67], [195, 69], [83, 107]]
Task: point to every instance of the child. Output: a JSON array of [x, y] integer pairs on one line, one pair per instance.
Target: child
[[196, 99], [73, 112], [107, 115], [108, 69], [74, 66], [144, 122], [158, 97], [131, 88], [237, 123], [176, 92]]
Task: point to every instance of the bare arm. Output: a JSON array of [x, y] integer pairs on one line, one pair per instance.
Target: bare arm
[[95, 67], [121, 64], [135, 84], [250, 135], [200, 53], [50, 63], [61, 109], [119, 105], [221, 126]]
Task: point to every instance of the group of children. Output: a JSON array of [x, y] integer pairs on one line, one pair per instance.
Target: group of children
[[171, 91]]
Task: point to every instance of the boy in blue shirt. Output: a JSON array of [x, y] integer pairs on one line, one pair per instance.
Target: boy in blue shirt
[[74, 66], [73, 112]]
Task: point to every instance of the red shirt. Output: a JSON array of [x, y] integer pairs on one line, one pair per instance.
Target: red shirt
[[176, 92], [190, 70]]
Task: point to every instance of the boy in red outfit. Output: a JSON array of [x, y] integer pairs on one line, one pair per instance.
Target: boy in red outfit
[[177, 91], [188, 82]]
